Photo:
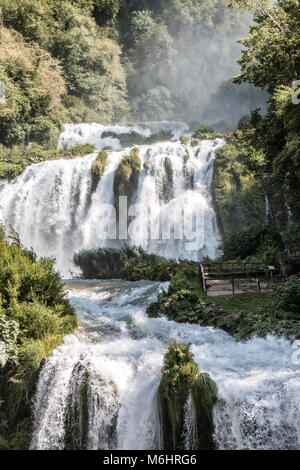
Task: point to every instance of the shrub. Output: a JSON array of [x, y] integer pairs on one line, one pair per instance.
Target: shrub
[[253, 240], [203, 132], [179, 370], [184, 140], [288, 295]]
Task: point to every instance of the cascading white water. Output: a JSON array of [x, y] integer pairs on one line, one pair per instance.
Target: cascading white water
[[122, 350], [98, 389], [51, 206]]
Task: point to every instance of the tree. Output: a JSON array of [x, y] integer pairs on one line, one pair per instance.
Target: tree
[[271, 55]]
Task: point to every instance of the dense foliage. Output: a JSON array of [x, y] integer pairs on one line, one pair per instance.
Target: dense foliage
[[127, 262], [34, 317], [108, 61], [265, 148], [288, 295]]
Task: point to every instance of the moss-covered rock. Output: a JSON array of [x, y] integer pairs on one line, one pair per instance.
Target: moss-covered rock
[[146, 166], [180, 378], [127, 176], [77, 415], [98, 168], [186, 156], [188, 171], [168, 169], [204, 395], [184, 140]]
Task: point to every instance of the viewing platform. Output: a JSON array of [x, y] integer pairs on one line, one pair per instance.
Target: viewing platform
[[239, 278]]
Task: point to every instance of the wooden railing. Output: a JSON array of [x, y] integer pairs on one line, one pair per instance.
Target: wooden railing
[[236, 275]]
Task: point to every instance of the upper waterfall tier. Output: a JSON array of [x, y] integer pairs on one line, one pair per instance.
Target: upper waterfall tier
[[102, 136], [53, 208]]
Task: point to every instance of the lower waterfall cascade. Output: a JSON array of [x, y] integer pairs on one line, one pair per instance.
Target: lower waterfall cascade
[[98, 389], [118, 352]]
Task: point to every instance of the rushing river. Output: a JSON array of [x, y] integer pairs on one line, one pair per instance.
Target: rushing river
[[121, 350]]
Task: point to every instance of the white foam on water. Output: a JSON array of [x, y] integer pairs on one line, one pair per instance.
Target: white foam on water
[[258, 385], [51, 206]]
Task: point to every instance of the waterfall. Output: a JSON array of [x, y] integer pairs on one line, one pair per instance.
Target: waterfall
[[98, 389], [51, 206], [112, 367]]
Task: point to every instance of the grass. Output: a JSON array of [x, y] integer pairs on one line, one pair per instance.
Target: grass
[[250, 302]]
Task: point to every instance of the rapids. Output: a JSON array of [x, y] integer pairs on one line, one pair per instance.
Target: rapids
[[122, 350]]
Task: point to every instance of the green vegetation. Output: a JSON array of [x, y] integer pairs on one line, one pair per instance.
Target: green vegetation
[[127, 176], [61, 61], [288, 295], [126, 262], [105, 263], [134, 138], [257, 243], [146, 166], [98, 168], [184, 140], [14, 161], [241, 315], [180, 377], [34, 317], [126, 139], [204, 132], [239, 199], [204, 394], [261, 158]]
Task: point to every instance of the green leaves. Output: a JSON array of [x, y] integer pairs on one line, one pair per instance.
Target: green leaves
[[32, 307], [288, 296]]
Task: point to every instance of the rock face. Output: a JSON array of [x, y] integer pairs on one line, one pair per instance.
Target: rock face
[[77, 412], [98, 168], [204, 396], [127, 176], [181, 379]]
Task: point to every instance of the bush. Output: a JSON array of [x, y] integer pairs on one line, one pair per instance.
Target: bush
[[184, 140], [288, 295], [105, 263], [34, 317], [259, 240], [204, 132]]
